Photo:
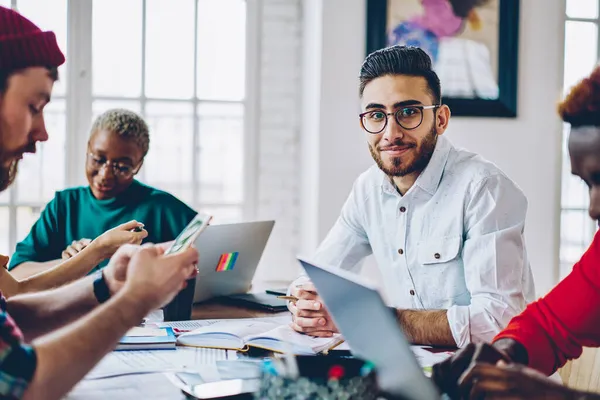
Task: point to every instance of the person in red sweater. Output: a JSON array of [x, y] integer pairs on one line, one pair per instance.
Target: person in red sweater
[[555, 328]]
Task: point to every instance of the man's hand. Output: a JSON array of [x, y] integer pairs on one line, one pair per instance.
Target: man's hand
[[110, 241], [153, 278], [75, 247], [115, 272], [447, 373], [511, 381], [309, 314]]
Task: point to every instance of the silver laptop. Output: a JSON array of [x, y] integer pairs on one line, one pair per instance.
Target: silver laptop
[[371, 330], [229, 255]]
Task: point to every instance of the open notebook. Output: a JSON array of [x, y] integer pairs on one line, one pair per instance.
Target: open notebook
[[239, 335]]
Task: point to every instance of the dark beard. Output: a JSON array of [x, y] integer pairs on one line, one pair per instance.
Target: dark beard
[[425, 151], [8, 174]]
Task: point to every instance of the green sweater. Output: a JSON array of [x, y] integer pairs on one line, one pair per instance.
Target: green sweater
[[75, 214]]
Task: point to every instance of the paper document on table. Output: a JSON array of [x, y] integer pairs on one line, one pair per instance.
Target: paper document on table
[[428, 358], [153, 386], [139, 331], [149, 361], [186, 326]]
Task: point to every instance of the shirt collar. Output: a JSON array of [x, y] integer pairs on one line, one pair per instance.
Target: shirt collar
[[431, 176]]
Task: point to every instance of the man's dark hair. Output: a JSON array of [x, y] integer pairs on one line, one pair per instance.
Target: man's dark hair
[[400, 60], [7, 73]]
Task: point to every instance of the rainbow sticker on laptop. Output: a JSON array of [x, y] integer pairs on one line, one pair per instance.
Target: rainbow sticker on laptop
[[227, 262]]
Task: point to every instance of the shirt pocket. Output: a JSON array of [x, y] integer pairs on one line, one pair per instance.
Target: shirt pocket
[[438, 250], [441, 272]]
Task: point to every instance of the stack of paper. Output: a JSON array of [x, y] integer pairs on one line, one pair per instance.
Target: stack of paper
[[120, 363]]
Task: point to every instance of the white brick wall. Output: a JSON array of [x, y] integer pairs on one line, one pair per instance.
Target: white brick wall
[[278, 134]]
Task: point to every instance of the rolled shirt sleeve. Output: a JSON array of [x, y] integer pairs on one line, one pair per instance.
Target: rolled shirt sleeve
[[497, 272]]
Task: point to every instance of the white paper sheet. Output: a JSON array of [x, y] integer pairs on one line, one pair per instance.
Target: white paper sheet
[[150, 361], [200, 323], [139, 331], [153, 386], [427, 358]]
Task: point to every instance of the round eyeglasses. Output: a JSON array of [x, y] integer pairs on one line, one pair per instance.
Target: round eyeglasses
[[408, 117], [119, 169]]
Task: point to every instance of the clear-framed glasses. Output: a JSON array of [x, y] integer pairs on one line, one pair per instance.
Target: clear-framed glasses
[[408, 117], [122, 170]]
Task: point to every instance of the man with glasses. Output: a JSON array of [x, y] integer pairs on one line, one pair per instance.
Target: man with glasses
[[117, 146], [445, 226]]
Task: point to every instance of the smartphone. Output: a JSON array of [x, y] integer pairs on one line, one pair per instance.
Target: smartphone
[[191, 232]]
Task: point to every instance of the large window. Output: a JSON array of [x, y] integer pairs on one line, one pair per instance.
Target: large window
[[581, 55], [180, 63]]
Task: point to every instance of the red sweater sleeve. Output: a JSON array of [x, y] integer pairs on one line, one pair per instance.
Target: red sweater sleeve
[[555, 328]]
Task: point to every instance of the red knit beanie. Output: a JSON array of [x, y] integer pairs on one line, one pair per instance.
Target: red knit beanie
[[23, 44]]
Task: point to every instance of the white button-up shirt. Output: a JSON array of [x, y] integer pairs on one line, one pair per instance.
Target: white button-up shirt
[[454, 241]]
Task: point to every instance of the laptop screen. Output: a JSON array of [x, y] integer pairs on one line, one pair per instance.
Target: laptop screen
[[371, 331]]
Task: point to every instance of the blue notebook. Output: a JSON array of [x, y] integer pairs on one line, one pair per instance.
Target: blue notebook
[[139, 338]]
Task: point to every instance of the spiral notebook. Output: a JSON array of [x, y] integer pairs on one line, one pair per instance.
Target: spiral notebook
[[240, 335]]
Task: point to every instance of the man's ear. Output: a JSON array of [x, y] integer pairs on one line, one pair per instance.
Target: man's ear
[[442, 118]]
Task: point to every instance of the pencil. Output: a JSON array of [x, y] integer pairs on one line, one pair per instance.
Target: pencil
[[290, 298]]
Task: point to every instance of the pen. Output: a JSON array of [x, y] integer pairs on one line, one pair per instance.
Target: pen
[[290, 298]]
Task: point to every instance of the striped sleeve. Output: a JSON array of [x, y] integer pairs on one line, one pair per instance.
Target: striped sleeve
[[17, 360]]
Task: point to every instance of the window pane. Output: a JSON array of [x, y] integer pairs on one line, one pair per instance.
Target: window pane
[[581, 45], [221, 153], [52, 155], [117, 47], [4, 239], [5, 196], [575, 193], [221, 49], [41, 174], [26, 217], [50, 15], [222, 215], [582, 9], [100, 106], [170, 49], [168, 165], [577, 231]]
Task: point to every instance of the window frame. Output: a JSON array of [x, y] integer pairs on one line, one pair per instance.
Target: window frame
[[79, 100], [565, 265]]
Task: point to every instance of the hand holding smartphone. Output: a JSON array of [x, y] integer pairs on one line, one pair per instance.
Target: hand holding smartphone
[[180, 308], [191, 232]]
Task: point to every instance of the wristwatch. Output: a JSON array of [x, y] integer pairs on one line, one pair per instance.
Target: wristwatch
[[101, 290]]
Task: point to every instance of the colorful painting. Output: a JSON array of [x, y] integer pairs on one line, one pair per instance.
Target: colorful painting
[[472, 44], [460, 36]]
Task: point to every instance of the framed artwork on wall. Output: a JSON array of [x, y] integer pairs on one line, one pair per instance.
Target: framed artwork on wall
[[473, 45]]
